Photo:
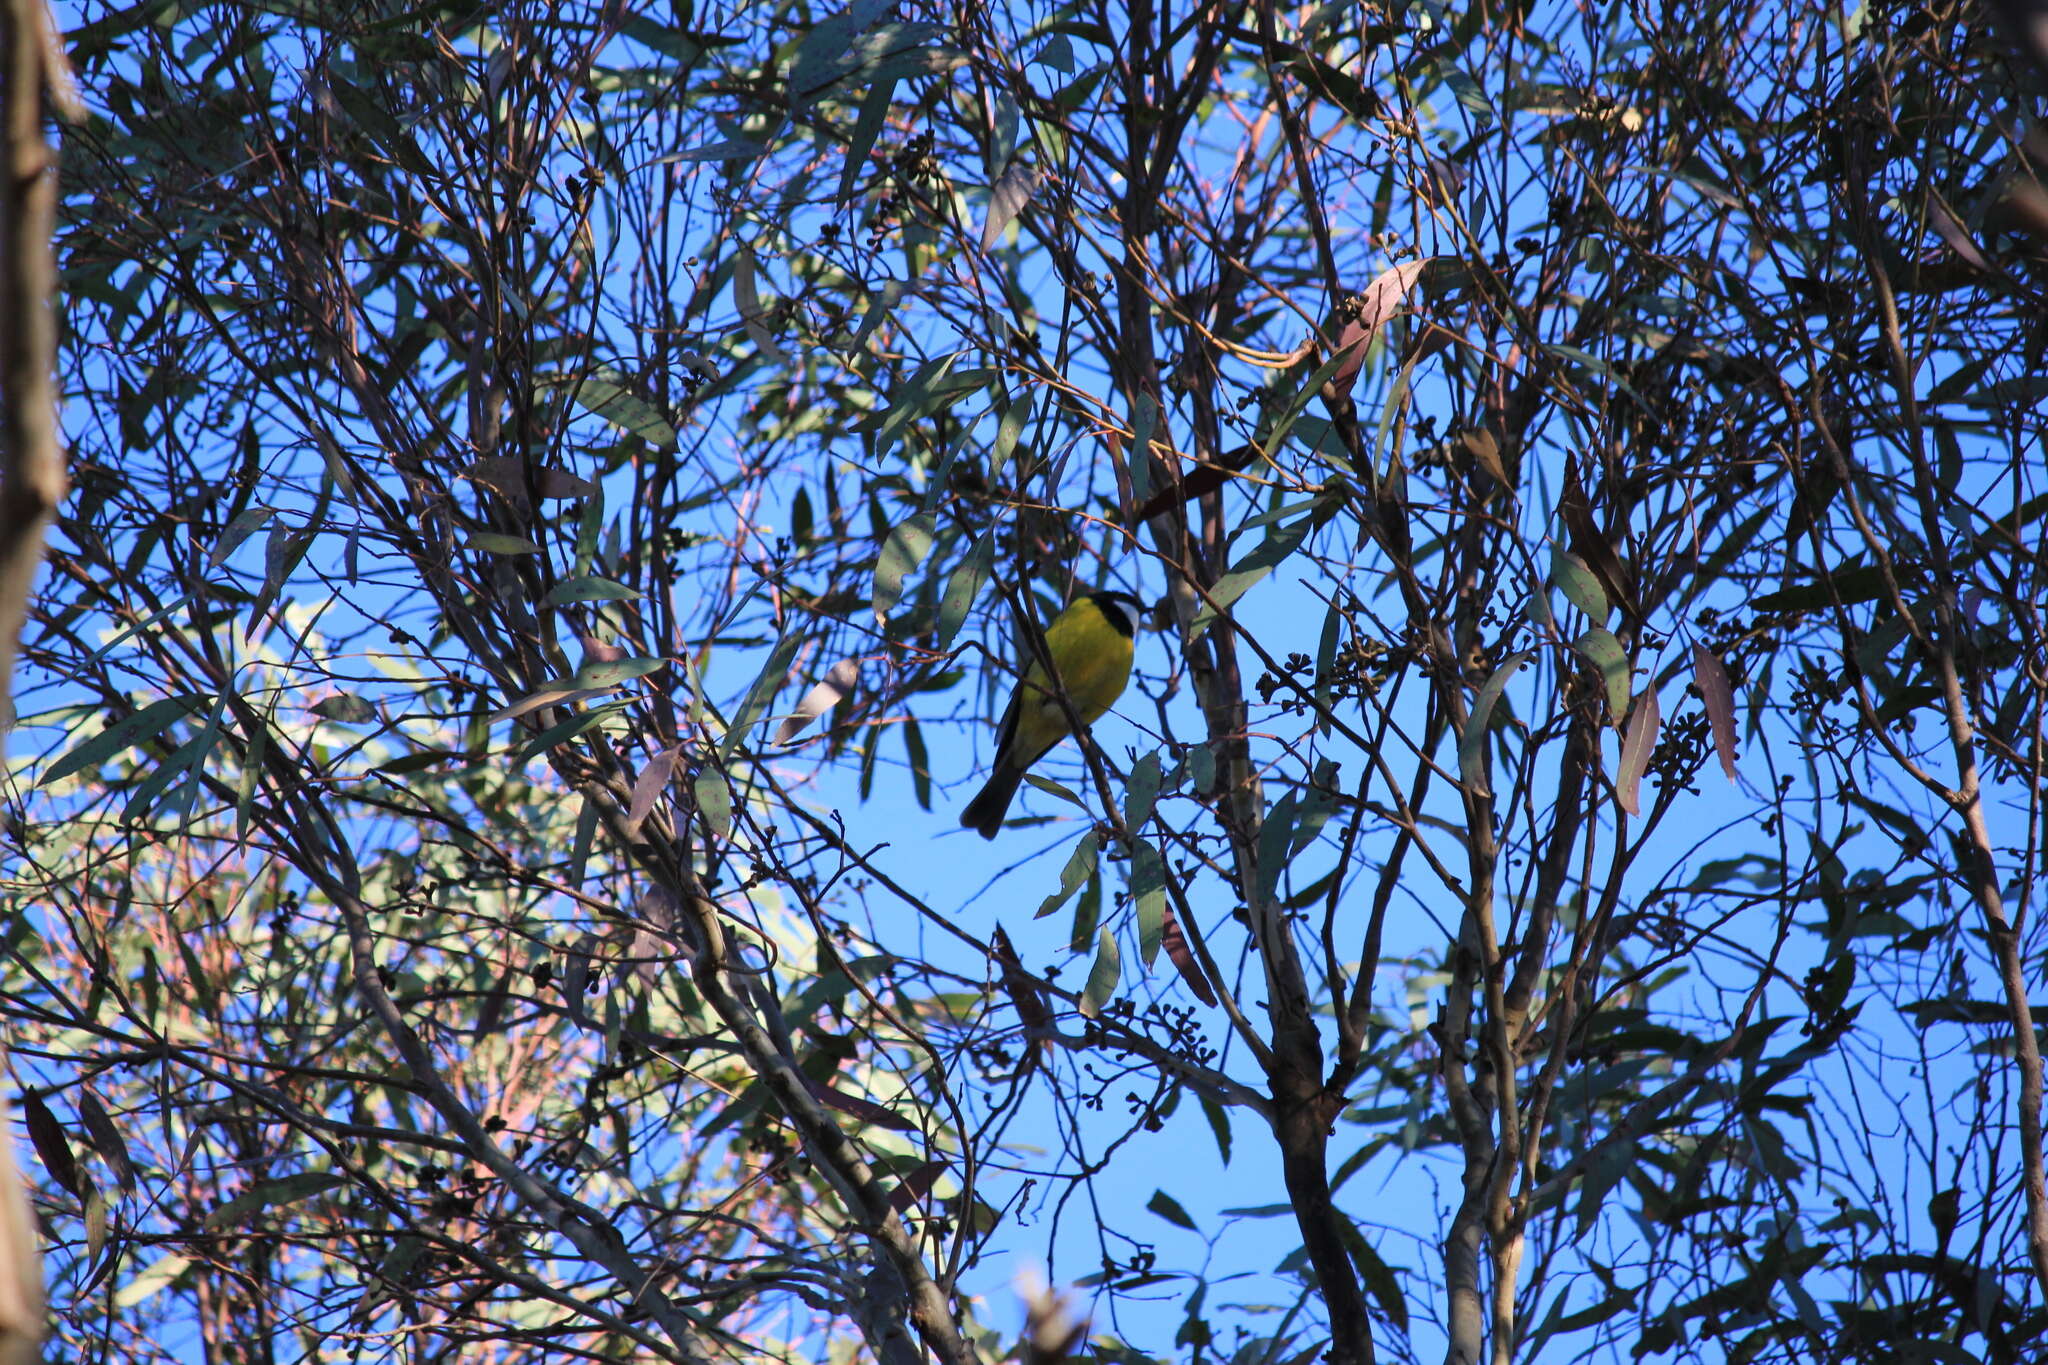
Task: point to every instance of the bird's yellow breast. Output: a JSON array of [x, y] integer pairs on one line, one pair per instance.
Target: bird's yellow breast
[[1094, 662]]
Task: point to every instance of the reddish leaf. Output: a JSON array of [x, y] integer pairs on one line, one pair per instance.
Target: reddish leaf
[[865, 1110], [106, 1138], [652, 782], [1183, 957], [916, 1186], [1590, 544], [1637, 744], [48, 1136], [1953, 233], [1023, 993], [1203, 478], [1712, 680], [1381, 300]]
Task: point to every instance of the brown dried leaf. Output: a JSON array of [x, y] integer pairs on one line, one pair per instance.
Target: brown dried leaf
[[1712, 681], [1024, 994], [1183, 958]]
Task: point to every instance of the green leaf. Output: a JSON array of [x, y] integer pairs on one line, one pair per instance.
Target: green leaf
[[725, 149], [1849, 585], [1087, 914], [1080, 866], [874, 112], [559, 733], [714, 801], [1148, 894], [270, 1194], [589, 588], [1279, 543], [154, 1277], [1009, 431], [1605, 653], [136, 728], [1472, 743], [963, 585], [902, 552], [1378, 1275], [1167, 1207], [612, 672], [246, 523], [1276, 837], [1005, 121], [345, 707], [1103, 976], [774, 672], [920, 764], [610, 395], [1141, 793], [1056, 790], [498, 543], [1468, 92], [1579, 584], [1219, 1126]]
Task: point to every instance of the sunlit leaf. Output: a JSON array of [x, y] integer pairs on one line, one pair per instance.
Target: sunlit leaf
[[1637, 744], [1103, 975], [1605, 653], [1381, 300], [1007, 200], [836, 686], [499, 543], [1578, 583], [714, 801], [589, 588], [612, 396]]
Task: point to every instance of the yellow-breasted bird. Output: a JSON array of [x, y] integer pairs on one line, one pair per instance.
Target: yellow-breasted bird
[[1090, 645]]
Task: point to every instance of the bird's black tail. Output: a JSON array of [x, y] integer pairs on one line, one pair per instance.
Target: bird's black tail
[[984, 814]]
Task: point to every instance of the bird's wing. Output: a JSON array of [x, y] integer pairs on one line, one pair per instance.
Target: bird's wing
[[1006, 733]]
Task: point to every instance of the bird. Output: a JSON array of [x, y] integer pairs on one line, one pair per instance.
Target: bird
[[1090, 645]]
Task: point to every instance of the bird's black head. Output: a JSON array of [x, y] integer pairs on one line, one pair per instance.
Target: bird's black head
[[1124, 611]]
